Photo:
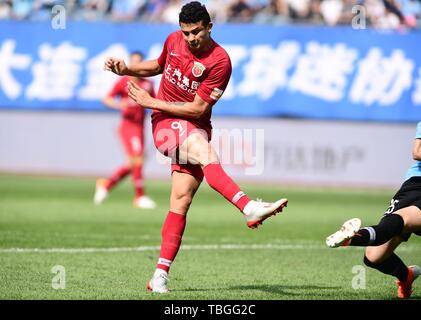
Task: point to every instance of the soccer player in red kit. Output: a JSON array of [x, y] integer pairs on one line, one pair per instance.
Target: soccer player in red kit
[[131, 136], [196, 71]]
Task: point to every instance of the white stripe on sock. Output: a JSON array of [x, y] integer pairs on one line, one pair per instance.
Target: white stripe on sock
[[372, 233], [164, 262], [238, 196]]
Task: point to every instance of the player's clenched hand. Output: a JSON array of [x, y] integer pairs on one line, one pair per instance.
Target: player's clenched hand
[[115, 65], [139, 95]]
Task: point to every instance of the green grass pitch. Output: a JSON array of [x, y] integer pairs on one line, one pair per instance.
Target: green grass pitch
[[110, 251]]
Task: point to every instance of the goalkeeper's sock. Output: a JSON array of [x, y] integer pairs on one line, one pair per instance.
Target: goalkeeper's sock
[[172, 233], [393, 266], [138, 180], [117, 176], [218, 179], [389, 227]]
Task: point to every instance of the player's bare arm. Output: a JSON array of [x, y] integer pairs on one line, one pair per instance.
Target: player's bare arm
[[112, 103], [194, 110], [147, 68], [416, 150]]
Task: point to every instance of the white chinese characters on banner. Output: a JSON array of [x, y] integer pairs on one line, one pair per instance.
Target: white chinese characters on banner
[[381, 79], [10, 60], [99, 81], [237, 54], [328, 72], [266, 71], [322, 71], [57, 74], [416, 95]]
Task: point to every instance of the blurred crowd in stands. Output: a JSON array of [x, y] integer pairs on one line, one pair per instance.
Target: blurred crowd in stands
[[382, 14]]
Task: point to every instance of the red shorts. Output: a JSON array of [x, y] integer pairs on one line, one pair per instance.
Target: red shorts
[[131, 136], [169, 134]]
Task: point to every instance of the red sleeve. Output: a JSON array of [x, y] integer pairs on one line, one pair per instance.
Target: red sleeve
[[116, 90], [163, 56], [212, 88]]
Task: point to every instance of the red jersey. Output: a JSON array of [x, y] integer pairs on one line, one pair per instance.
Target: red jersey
[[133, 113], [186, 74]]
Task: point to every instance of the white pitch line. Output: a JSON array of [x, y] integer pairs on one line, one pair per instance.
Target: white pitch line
[[157, 248], [311, 246]]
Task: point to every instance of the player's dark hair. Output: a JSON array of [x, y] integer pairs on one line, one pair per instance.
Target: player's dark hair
[[137, 53], [194, 12]]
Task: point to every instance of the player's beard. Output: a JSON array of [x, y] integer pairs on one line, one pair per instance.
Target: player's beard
[[199, 46], [195, 46]]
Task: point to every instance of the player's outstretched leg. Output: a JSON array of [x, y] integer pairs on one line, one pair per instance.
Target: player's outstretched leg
[[350, 233], [197, 150], [379, 253], [255, 212]]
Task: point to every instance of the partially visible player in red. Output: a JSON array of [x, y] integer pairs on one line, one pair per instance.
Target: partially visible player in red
[[195, 72], [131, 132]]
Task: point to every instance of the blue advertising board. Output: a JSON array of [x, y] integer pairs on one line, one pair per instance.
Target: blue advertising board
[[278, 71]]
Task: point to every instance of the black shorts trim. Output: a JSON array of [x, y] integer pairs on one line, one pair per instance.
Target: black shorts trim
[[408, 195]]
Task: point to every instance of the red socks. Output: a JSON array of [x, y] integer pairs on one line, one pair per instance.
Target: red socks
[[122, 172], [117, 176], [221, 182], [173, 228], [172, 232], [138, 180]]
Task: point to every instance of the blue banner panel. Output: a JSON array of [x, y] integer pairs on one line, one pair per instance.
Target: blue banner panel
[[297, 71]]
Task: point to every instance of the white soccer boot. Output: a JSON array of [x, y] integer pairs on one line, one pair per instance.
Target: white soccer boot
[[159, 281], [255, 212], [341, 238], [101, 193], [144, 202]]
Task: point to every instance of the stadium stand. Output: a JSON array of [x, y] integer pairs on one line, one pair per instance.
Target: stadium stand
[[381, 14]]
